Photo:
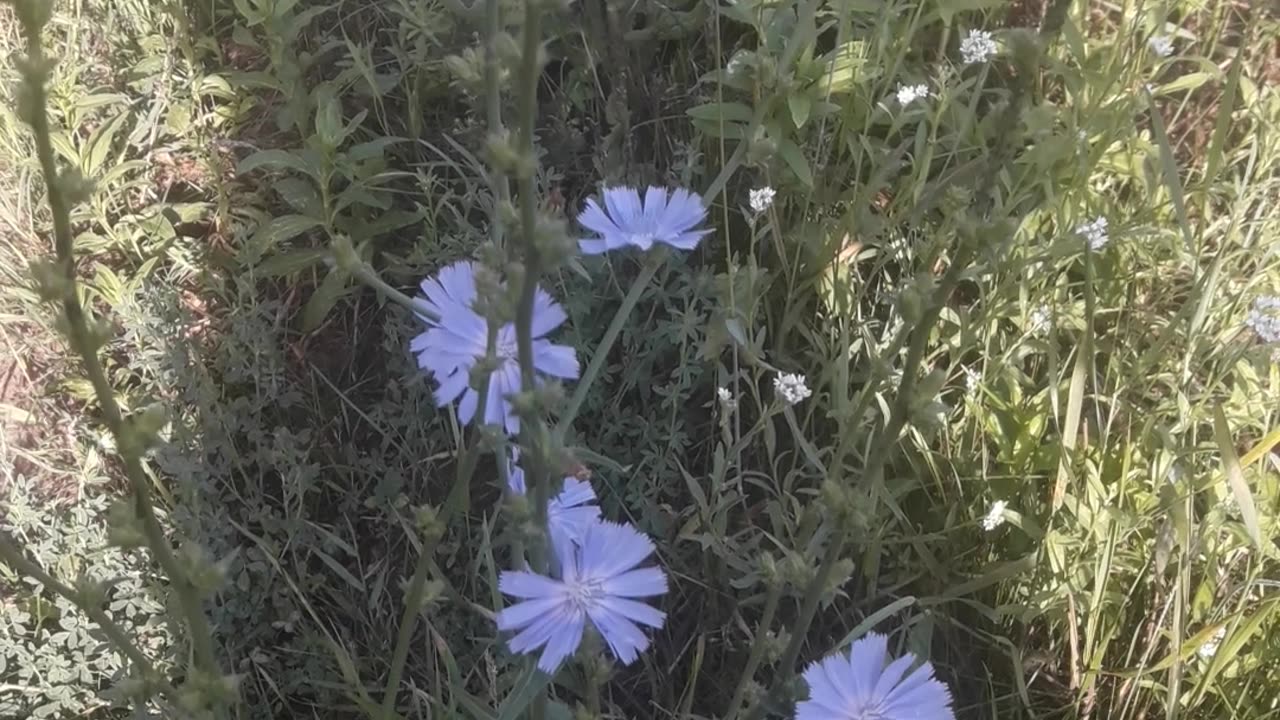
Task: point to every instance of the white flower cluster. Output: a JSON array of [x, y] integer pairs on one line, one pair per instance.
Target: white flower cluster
[[908, 94], [971, 380], [1264, 318], [978, 46], [1161, 45], [791, 387], [1040, 320], [995, 516], [761, 198], [1095, 232]]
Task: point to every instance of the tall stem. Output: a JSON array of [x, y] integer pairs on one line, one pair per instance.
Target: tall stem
[[81, 339], [601, 354], [757, 649]]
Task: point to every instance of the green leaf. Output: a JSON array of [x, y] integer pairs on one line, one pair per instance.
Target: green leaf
[[324, 298], [274, 159], [288, 263], [721, 111], [99, 144], [285, 227], [1235, 476], [794, 157], [1190, 81], [800, 105], [531, 682]]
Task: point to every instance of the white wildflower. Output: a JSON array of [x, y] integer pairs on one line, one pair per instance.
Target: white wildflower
[[1161, 45], [1082, 136], [1095, 232], [1264, 318], [908, 94], [761, 198], [995, 516], [1210, 646], [1040, 320], [727, 400], [971, 380], [977, 47], [791, 387]]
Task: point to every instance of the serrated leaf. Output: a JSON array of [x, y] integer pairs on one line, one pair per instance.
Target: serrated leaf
[[323, 299], [716, 112], [795, 160]]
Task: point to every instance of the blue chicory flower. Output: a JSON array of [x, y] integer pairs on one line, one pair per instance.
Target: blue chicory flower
[[865, 686], [453, 344], [596, 582], [628, 222], [569, 514]]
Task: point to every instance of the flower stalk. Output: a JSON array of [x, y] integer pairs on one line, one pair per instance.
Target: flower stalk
[[85, 342]]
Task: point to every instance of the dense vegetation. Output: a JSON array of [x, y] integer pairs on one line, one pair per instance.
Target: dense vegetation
[[1031, 300]]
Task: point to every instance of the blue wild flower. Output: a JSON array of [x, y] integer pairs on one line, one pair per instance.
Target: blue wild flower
[[569, 514], [596, 583], [451, 346], [865, 685], [626, 222]]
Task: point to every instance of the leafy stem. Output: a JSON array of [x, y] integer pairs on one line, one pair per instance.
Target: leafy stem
[[84, 342]]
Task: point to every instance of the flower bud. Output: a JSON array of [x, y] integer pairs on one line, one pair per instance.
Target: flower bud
[[345, 256], [51, 282], [204, 574], [507, 49], [427, 520], [465, 68], [75, 187], [500, 150], [552, 237], [124, 528]]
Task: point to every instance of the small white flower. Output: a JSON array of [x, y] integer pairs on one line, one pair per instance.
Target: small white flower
[[977, 47], [908, 94], [1264, 318], [1095, 232], [761, 198], [1161, 45], [791, 387], [1082, 136], [995, 516], [727, 400], [1040, 320], [1210, 646], [971, 380]]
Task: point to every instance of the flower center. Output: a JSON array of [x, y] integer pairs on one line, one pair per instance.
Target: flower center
[[505, 345], [585, 593], [869, 711]]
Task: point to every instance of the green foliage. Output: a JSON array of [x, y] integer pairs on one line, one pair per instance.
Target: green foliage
[[54, 660], [1112, 399]]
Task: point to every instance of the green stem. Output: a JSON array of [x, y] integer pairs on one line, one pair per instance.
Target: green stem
[[81, 341], [526, 115], [757, 649], [417, 583], [368, 276], [14, 558], [601, 354]]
